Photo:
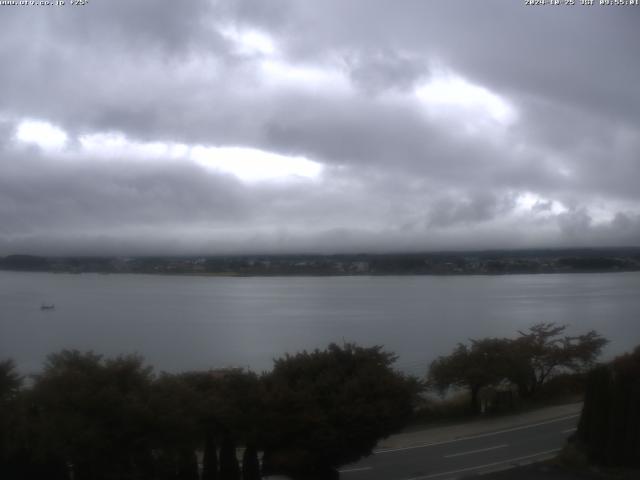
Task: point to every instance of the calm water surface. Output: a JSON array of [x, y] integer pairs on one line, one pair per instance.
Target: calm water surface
[[181, 322]]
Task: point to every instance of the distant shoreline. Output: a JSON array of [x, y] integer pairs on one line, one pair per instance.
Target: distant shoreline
[[327, 274], [489, 263]]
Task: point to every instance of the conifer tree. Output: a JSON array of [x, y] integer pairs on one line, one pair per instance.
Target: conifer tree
[[609, 427], [187, 465], [229, 468], [210, 458], [250, 463]]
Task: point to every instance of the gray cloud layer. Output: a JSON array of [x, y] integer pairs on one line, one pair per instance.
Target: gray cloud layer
[[538, 145]]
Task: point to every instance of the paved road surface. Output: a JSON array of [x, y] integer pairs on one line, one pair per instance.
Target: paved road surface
[[466, 456]]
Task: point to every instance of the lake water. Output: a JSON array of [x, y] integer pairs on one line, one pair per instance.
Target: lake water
[[182, 322]]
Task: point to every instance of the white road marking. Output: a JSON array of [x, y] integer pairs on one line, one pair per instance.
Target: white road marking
[[569, 430], [478, 467], [471, 437], [475, 451], [359, 469]]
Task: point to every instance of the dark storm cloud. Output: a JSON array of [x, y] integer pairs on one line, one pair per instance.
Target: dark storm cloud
[[575, 224], [549, 153], [40, 194], [480, 206], [579, 56]]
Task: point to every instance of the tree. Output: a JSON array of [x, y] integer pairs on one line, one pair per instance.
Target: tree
[[330, 407], [10, 380], [229, 468], [609, 427], [177, 430], [210, 458], [234, 404], [250, 464], [229, 410], [527, 361], [187, 464], [543, 350], [10, 384], [472, 367], [93, 413]]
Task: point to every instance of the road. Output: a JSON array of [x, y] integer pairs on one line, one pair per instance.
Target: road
[[466, 456]]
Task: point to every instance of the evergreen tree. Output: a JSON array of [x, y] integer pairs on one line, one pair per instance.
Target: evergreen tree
[[210, 459], [609, 427], [10, 383], [92, 412], [594, 421], [330, 407], [250, 463], [187, 465], [229, 468]]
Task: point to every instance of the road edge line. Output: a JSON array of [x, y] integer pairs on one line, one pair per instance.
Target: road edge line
[[471, 437]]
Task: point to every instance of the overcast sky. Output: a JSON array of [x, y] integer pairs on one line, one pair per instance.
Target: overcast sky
[[159, 126]]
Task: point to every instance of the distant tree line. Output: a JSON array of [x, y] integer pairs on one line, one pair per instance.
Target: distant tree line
[[87, 417], [526, 362], [428, 263]]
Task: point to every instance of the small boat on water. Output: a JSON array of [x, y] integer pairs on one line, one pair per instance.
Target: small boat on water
[[47, 306]]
